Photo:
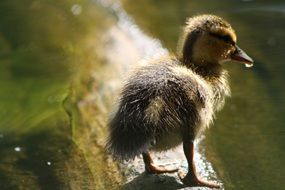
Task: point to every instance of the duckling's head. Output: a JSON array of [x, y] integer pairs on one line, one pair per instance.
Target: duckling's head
[[209, 39]]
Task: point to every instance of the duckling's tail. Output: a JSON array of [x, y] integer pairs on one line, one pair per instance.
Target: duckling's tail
[[128, 137]]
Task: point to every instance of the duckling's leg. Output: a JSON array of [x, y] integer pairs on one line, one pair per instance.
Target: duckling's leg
[[191, 178], [153, 169]]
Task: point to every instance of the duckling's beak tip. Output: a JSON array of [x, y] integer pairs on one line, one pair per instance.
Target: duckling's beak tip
[[240, 56]]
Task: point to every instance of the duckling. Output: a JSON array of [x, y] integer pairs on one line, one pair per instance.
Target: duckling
[[172, 100]]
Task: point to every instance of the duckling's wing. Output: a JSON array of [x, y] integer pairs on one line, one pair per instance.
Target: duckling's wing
[[154, 101]]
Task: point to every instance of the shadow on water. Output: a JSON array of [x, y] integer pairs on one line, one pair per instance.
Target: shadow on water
[[43, 160]]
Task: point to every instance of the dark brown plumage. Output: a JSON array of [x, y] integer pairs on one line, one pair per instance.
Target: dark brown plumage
[[172, 100]]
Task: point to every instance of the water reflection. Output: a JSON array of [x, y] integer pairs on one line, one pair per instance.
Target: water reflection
[[17, 149], [76, 9]]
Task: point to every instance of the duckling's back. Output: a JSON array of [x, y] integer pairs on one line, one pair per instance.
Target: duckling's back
[[158, 99]]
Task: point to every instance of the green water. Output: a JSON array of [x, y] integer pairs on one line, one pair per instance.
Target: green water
[[51, 128], [45, 58]]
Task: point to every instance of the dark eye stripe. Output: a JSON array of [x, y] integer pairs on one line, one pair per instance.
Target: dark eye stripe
[[225, 38]]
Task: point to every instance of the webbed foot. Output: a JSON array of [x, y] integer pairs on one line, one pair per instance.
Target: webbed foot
[[192, 180], [153, 169]]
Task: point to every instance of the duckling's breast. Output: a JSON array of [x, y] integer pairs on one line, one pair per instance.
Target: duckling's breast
[[204, 97]]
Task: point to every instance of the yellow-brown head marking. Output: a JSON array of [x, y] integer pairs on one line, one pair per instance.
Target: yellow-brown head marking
[[208, 39]]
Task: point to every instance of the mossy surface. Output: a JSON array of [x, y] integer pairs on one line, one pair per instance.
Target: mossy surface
[[48, 54]]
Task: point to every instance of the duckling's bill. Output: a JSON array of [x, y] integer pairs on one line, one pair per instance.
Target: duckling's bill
[[240, 56]]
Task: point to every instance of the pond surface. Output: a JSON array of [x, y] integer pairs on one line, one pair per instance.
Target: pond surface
[[58, 77], [46, 52]]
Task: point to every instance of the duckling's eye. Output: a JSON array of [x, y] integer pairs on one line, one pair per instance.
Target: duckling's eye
[[226, 38]]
